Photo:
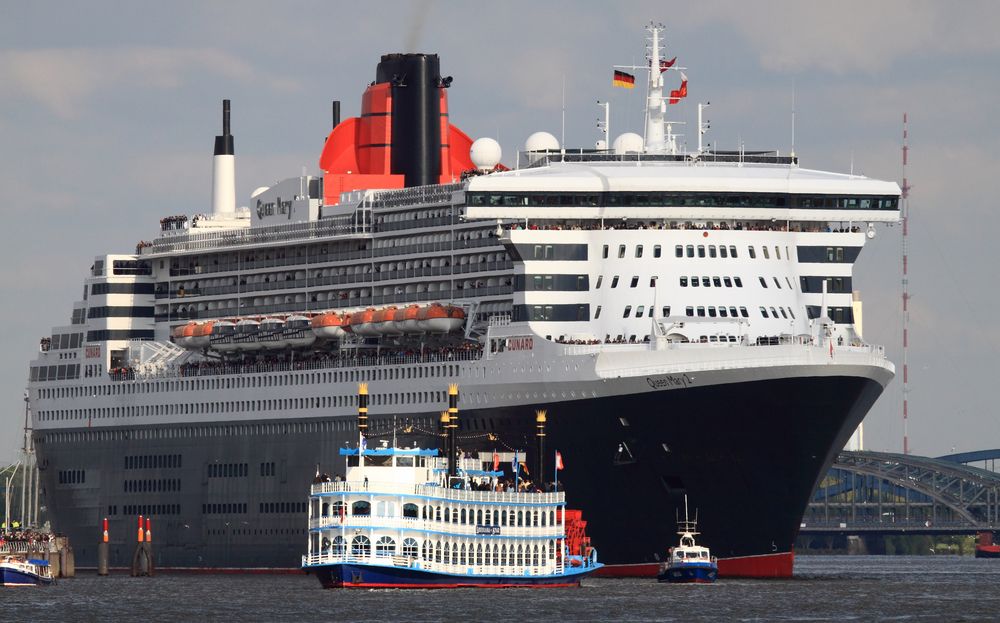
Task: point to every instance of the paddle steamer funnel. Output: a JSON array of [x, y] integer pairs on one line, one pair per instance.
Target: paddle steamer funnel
[[414, 81], [224, 169]]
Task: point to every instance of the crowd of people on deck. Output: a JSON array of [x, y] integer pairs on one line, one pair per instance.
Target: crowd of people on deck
[[18, 535]]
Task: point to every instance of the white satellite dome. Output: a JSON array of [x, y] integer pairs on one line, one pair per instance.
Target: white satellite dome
[[628, 143], [259, 190], [485, 153], [541, 141]]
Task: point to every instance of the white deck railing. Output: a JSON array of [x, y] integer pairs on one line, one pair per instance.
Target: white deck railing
[[329, 558], [441, 493], [352, 522]]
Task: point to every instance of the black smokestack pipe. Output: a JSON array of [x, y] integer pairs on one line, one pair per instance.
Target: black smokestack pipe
[[416, 115], [540, 437], [224, 143], [336, 113], [452, 429]]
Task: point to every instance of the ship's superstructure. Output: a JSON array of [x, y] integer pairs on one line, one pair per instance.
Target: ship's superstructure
[[204, 376]]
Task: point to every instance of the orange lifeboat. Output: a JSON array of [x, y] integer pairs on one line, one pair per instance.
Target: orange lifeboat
[[201, 335], [405, 319], [182, 334], [384, 322], [361, 322], [438, 318], [329, 325]]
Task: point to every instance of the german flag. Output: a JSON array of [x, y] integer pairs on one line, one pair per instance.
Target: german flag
[[624, 80]]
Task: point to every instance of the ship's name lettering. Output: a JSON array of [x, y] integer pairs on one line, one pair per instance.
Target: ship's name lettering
[[93, 352], [270, 208], [487, 530], [520, 343], [668, 381]]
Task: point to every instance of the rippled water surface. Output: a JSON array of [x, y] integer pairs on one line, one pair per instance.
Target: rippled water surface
[[825, 588]]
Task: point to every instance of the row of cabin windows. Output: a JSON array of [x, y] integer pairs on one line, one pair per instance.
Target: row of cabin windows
[[731, 312], [720, 312], [233, 508], [692, 199], [146, 510], [709, 282], [638, 251], [153, 461], [244, 406], [151, 486], [632, 284], [228, 470], [665, 312], [708, 251], [219, 379], [496, 517], [72, 476], [531, 555], [777, 284]]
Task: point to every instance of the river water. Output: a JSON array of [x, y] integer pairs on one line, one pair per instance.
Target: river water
[[825, 588]]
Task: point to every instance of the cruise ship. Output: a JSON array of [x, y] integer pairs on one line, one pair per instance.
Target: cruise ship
[[686, 317]]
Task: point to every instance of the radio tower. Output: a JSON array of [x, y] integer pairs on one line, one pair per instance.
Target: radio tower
[[905, 213]]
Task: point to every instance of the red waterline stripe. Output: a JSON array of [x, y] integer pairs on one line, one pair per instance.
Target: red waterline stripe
[[759, 566]]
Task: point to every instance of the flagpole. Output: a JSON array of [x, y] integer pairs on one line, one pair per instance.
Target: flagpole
[[517, 473], [555, 472]]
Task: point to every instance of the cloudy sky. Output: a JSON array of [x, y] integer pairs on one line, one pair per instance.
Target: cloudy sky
[[108, 112]]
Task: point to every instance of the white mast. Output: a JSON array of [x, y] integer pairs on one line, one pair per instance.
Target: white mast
[[655, 106]]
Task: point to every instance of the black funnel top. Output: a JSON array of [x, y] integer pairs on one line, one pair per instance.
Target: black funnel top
[[416, 115], [224, 143]]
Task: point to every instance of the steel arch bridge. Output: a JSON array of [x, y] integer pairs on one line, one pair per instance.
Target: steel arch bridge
[[886, 493]]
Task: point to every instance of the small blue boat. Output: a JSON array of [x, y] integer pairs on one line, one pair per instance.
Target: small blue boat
[[688, 562], [17, 571]]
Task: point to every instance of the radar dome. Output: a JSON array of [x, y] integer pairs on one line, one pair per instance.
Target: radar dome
[[257, 191], [628, 143], [485, 153], [541, 141]]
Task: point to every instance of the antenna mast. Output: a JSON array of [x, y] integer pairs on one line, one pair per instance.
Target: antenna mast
[[655, 107], [905, 213]]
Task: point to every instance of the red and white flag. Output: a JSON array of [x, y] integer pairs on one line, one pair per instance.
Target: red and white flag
[[665, 65], [677, 94], [559, 461], [496, 461]]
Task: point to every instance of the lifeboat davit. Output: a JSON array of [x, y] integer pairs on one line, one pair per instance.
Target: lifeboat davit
[[361, 322], [269, 335], [221, 336], [438, 318], [384, 323], [405, 319], [298, 332], [329, 326], [247, 331], [182, 334], [201, 335]]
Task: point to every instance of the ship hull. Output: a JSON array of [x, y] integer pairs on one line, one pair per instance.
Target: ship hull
[[375, 576], [747, 454]]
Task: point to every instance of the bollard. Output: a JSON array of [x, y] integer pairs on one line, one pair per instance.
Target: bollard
[[69, 564], [142, 559], [102, 551]]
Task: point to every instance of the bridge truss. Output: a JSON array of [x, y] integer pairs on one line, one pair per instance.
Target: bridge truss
[[880, 492]]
